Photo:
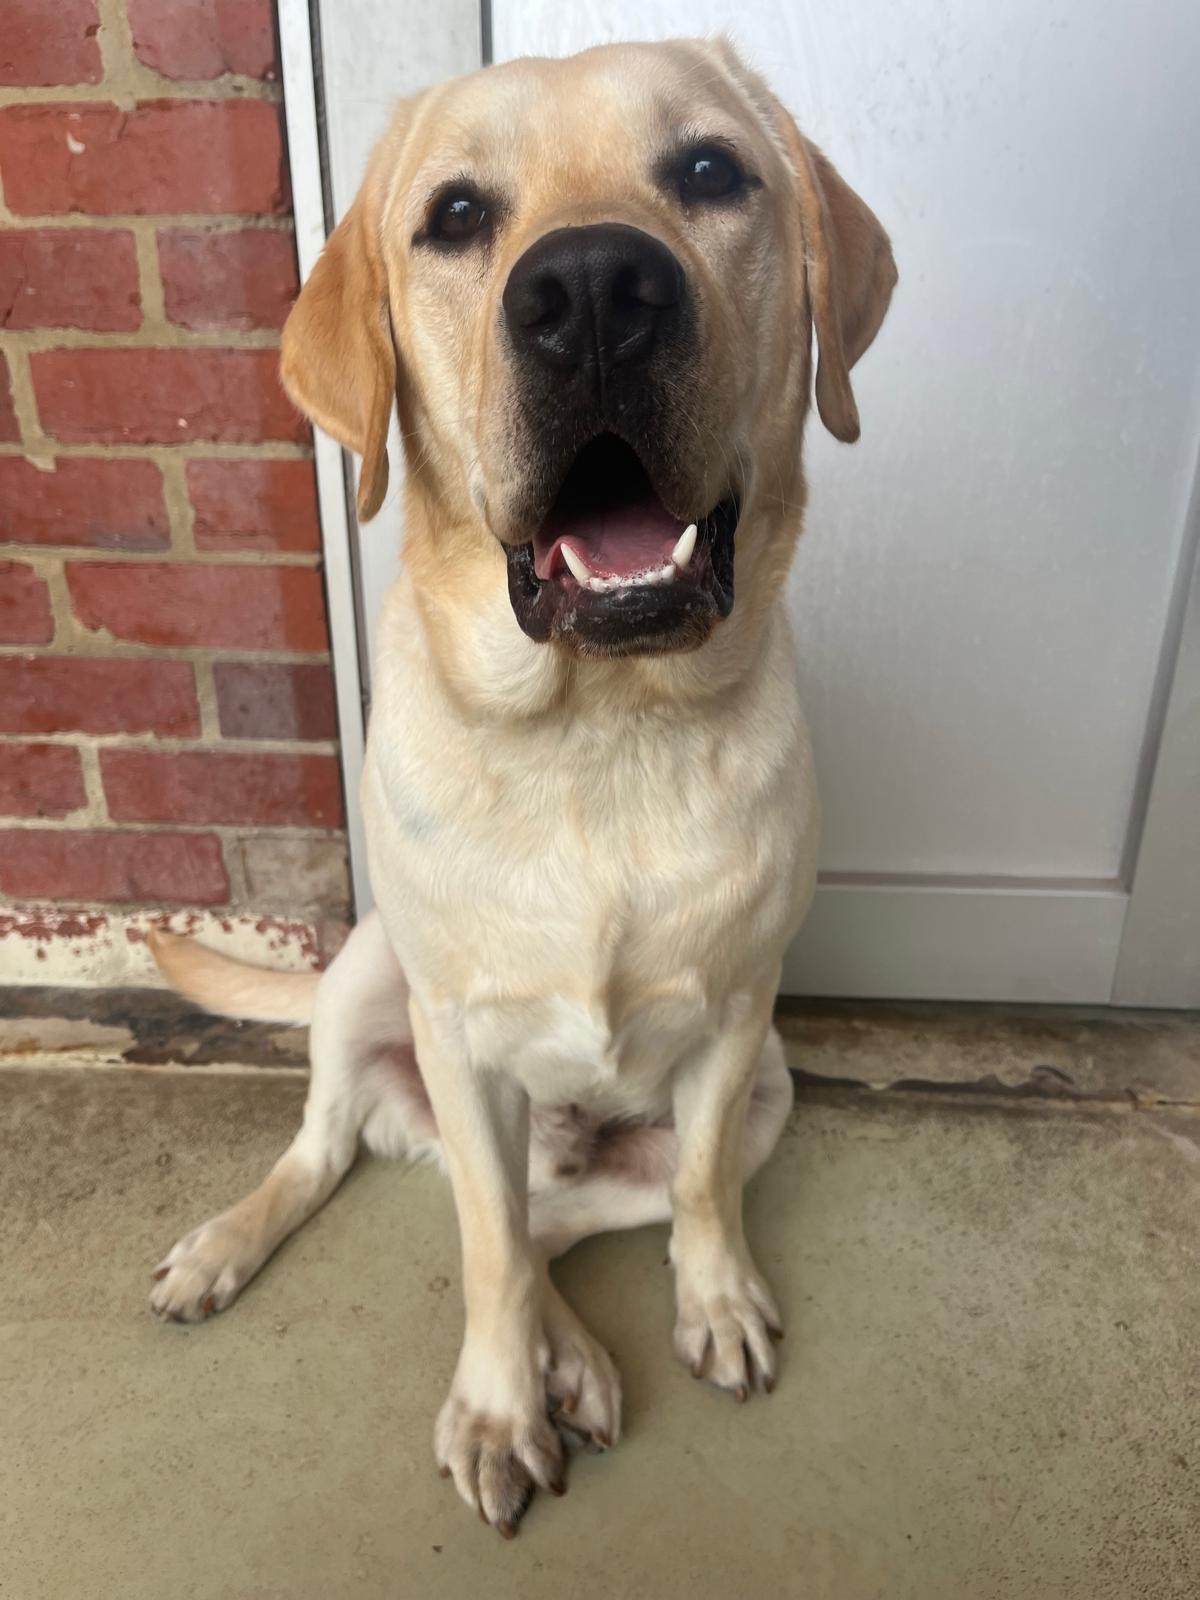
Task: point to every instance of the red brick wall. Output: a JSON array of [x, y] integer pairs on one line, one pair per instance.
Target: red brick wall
[[167, 729]]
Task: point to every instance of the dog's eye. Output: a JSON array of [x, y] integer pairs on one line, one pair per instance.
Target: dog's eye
[[457, 217], [709, 173]]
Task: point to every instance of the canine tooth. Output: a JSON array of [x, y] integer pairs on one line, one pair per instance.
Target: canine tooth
[[682, 552], [578, 571]]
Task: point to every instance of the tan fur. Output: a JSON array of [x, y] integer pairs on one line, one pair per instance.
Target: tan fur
[[586, 870], [232, 988]]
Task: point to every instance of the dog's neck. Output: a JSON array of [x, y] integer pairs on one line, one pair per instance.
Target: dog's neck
[[455, 591]]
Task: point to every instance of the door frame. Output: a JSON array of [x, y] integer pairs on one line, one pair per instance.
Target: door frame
[[444, 52], [1159, 961], [1131, 940]]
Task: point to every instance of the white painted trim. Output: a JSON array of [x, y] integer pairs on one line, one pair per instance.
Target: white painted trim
[[1057, 945], [106, 948], [304, 152], [1160, 950]]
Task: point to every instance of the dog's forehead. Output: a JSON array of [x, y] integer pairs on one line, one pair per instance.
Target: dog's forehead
[[607, 106]]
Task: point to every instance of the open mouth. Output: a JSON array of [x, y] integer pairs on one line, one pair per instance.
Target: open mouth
[[613, 567]]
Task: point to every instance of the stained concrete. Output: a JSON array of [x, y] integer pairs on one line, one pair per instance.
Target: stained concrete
[[989, 1383]]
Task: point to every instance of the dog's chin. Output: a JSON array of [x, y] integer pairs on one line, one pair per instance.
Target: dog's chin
[[611, 572]]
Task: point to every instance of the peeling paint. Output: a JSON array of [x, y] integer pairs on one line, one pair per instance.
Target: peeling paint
[[93, 949]]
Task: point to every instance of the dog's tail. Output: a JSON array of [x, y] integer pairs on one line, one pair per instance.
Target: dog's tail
[[232, 988]]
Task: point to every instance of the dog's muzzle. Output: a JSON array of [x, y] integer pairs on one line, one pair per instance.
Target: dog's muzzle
[[623, 561]]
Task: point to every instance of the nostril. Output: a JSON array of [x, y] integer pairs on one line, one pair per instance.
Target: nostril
[[657, 282], [626, 291], [538, 301], [553, 303]]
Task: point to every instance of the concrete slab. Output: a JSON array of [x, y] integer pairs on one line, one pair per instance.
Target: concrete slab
[[989, 1384]]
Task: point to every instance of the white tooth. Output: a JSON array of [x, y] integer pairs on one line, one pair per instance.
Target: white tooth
[[578, 571], [682, 552]]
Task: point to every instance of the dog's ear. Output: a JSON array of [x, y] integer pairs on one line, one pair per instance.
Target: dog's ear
[[338, 357], [851, 275], [847, 256]]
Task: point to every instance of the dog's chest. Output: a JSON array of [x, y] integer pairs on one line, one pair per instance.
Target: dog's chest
[[591, 970], [582, 910]]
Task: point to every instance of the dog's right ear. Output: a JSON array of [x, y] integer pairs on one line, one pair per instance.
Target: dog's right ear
[[338, 359]]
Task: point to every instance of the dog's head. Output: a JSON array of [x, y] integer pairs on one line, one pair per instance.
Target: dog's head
[[591, 285]]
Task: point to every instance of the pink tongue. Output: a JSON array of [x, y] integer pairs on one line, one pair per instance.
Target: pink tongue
[[615, 543]]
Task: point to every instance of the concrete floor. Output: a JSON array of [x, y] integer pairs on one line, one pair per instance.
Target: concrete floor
[[989, 1383]]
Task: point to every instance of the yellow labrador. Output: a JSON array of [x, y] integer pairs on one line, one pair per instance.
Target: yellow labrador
[[591, 287]]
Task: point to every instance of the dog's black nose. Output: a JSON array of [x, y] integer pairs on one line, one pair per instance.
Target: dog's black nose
[[592, 298]]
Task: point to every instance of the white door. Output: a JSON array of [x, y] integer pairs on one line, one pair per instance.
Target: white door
[[990, 596]]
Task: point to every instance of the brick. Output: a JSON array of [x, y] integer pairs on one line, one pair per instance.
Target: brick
[[171, 868], [10, 432], [44, 44], [115, 505], [275, 700], [237, 280], [222, 607], [25, 616], [298, 876], [204, 38], [254, 505], [163, 396], [68, 278], [97, 694], [211, 786], [163, 156], [40, 780]]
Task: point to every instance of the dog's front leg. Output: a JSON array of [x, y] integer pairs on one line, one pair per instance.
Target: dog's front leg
[[725, 1313], [493, 1433]]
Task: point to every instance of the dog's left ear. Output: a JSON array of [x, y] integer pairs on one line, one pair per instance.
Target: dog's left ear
[[848, 261], [851, 275]]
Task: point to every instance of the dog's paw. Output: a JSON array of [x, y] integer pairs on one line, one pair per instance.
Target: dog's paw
[[582, 1384], [726, 1324], [203, 1273], [497, 1457]]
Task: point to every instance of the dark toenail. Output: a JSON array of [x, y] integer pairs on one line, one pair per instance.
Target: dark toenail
[[559, 1488], [443, 1472], [208, 1305], [739, 1394], [160, 1273], [601, 1438], [769, 1385], [507, 1530]]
